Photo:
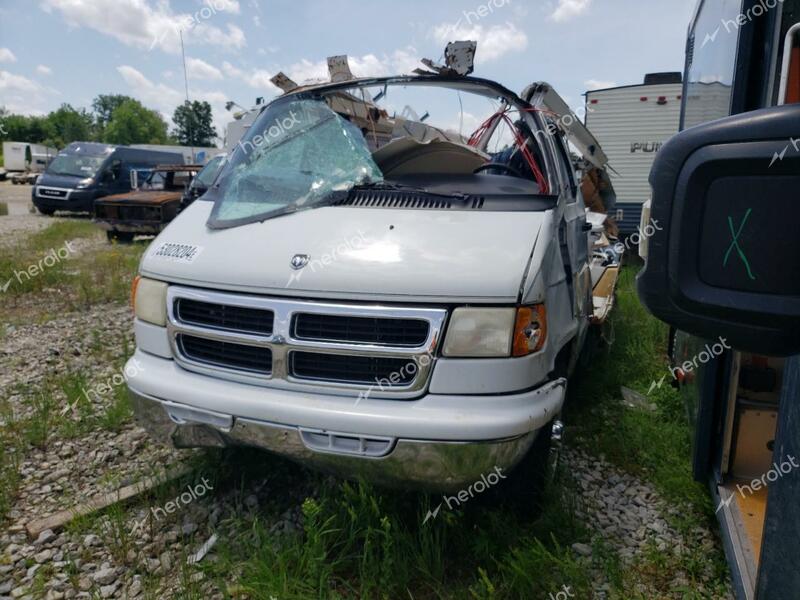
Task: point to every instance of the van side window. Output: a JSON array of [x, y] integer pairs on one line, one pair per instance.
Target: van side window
[[565, 170], [116, 170]]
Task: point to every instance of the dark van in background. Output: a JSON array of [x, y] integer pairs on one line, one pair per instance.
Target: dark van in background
[[84, 171]]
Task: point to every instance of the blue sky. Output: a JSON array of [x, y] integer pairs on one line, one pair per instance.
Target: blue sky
[[55, 51]]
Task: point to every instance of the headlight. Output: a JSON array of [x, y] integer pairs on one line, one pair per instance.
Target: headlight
[[480, 332], [150, 300], [84, 183], [496, 332]]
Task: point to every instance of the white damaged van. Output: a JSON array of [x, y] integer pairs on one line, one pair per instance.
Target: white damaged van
[[371, 292]]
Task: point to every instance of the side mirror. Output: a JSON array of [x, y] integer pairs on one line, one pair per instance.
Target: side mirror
[[726, 260]]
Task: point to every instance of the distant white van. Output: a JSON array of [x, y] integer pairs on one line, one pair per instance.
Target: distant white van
[[632, 123]]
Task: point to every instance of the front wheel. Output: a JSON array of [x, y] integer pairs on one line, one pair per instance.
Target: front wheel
[[523, 489], [48, 212]]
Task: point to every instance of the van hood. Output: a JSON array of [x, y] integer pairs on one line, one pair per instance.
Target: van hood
[[63, 181], [353, 253]]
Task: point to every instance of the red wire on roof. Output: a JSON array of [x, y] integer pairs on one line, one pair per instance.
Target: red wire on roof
[[519, 141]]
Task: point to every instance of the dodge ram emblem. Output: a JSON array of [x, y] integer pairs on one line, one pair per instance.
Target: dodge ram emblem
[[299, 261]]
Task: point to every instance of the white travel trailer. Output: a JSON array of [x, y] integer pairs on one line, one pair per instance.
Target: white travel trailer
[[632, 123], [21, 156]]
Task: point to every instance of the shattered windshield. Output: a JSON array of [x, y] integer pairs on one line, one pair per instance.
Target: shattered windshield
[[315, 147], [296, 155]]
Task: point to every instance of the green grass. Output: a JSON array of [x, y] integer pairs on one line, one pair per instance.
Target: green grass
[[359, 541], [98, 273], [57, 409], [44, 267], [654, 446]]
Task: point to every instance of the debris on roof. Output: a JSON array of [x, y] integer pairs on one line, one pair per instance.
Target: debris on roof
[[283, 81], [459, 60], [339, 69]]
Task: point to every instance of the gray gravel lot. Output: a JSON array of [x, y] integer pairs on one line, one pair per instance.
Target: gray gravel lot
[[22, 218]]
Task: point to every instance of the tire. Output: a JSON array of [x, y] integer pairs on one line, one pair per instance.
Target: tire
[[121, 237], [48, 212], [523, 489]]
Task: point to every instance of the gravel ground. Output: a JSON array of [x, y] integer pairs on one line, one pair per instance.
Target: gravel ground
[[20, 220], [628, 515]]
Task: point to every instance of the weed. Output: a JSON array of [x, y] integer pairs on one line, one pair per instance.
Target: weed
[[38, 427], [118, 412]]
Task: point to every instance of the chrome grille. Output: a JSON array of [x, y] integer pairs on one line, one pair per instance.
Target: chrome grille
[[364, 370], [221, 316], [226, 354], [360, 330], [305, 345]]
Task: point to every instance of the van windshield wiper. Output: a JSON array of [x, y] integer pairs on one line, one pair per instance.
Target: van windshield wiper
[[326, 200], [391, 186]]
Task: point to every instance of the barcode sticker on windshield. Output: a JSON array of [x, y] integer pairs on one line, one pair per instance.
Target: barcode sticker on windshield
[[176, 252]]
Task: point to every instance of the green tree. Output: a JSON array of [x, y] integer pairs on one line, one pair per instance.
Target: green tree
[[104, 106], [19, 128], [67, 125], [193, 124], [132, 123]]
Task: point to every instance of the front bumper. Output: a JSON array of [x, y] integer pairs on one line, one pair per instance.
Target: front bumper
[[438, 443], [76, 201]]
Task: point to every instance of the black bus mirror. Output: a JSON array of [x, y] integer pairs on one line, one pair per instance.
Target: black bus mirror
[[726, 259]]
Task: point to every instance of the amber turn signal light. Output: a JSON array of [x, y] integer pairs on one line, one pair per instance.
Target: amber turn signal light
[[134, 285], [530, 330]]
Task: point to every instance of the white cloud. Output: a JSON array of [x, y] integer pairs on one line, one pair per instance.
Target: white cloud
[[257, 78], [369, 65], [158, 95], [44, 70], [166, 99], [307, 71], [136, 23], [22, 95], [231, 6], [200, 69], [7, 55], [231, 71], [11, 83], [594, 84], [493, 42], [569, 9]]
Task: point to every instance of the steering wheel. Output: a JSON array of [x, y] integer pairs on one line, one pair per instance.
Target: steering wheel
[[503, 166]]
